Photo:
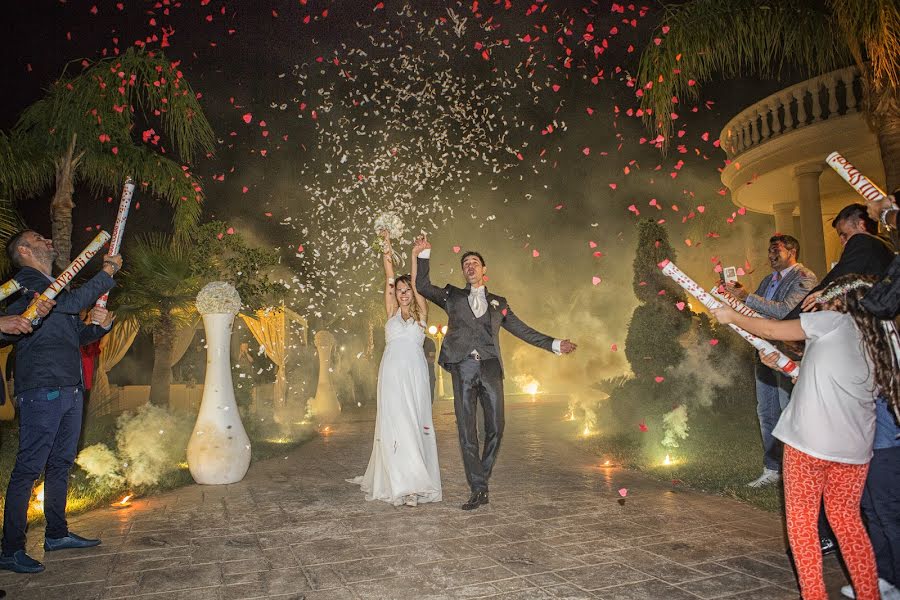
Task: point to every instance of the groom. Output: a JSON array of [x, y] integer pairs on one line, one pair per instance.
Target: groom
[[471, 353]]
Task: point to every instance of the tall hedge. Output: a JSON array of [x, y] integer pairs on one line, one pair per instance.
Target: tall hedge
[[656, 324]]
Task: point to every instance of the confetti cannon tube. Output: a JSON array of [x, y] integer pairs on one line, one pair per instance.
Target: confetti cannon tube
[[9, 288], [859, 182], [118, 229], [785, 364], [69, 274], [724, 297]]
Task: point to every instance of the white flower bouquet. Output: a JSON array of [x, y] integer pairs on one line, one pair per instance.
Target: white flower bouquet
[[218, 297], [390, 222]]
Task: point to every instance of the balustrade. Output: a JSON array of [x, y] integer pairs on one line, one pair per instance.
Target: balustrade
[[827, 96]]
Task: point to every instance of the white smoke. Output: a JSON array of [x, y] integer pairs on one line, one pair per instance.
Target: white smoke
[[102, 465], [705, 371], [151, 442], [675, 424]]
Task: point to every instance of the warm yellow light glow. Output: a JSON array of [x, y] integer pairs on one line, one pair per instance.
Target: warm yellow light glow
[[37, 504], [433, 329], [667, 460], [531, 387], [280, 440], [606, 463], [123, 503], [443, 329], [587, 431]]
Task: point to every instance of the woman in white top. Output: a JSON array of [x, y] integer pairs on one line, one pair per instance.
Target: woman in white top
[[403, 467], [829, 426]]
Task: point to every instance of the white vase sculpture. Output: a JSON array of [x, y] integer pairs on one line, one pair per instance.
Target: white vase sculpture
[[219, 449], [325, 406]]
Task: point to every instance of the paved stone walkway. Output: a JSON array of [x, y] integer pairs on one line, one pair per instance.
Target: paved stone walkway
[[556, 528]]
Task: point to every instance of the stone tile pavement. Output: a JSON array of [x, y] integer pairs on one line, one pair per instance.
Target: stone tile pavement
[[556, 528]]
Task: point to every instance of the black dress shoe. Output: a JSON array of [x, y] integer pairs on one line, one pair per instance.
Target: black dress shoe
[[70, 541], [475, 500], [828, 545]]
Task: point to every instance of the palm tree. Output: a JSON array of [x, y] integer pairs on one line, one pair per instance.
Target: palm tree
[[87, 127], [159, 289], [735, 38]]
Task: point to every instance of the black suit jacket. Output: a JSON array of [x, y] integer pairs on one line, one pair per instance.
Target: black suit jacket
[[463, 333], [864, 254]]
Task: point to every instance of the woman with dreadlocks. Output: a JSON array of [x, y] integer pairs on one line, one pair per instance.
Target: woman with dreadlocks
[[829, 426]]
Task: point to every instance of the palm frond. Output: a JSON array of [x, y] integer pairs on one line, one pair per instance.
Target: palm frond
[[732, 38], [157, 282], [24, 169], [153, 173], [871, 29], [100, 106]]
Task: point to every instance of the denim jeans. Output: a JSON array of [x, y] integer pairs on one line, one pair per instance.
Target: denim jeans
[[881, 507], [773, 392], [49, 426]]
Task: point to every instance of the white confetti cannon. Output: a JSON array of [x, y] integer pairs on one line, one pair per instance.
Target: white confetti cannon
[[118, 230], [9, 288], [724, 297], [785, 364], [69, 274], [862, 184]]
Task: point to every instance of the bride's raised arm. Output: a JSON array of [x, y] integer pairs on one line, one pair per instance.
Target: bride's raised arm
[[390, 298], [421, 302]]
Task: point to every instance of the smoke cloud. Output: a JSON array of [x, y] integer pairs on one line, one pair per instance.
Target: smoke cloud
[[675, 424], [102, 465], [151, 442]]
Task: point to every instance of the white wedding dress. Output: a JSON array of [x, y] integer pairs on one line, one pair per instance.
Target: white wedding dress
[[403, 467]]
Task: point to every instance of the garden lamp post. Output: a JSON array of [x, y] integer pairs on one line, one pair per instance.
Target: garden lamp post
[[438, 332]]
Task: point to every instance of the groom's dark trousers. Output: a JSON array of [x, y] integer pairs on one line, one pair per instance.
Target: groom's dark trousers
[[478, 381]]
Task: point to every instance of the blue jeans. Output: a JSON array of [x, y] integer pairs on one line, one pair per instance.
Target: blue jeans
[[773, 392], [49, 426], [881, 507]]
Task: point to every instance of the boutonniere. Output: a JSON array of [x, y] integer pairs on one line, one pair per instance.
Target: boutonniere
[[494, 303]]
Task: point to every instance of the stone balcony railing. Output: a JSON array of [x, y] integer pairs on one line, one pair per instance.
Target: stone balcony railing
[[827, 96]]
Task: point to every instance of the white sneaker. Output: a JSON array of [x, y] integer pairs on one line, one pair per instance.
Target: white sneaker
[[768, 477], [888, 591]]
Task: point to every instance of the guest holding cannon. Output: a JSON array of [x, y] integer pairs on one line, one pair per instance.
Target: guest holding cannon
[[49, 392]]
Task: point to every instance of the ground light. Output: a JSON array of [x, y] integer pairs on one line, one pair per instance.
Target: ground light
[[124, 502]]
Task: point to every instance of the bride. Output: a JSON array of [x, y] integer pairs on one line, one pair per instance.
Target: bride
[[403, 467]]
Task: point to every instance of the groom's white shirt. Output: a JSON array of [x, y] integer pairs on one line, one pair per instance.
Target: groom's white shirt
[[478, 301]]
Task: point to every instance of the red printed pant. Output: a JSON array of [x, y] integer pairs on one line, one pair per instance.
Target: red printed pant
[[806, 480]]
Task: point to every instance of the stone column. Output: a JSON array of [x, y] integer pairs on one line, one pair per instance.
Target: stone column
[[784, 218], [812, 245]]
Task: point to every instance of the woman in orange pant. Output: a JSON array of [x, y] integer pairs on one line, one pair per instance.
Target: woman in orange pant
[[829, 426]]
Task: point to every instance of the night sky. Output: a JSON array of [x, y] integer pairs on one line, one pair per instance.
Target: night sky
[[505, 126]]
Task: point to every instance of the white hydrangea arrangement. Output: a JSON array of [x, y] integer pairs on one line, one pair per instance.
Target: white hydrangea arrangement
[[218, 297]]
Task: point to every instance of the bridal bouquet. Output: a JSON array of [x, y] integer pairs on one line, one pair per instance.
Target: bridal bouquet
[[390, 222]]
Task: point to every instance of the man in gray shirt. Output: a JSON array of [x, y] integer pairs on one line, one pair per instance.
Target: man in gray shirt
[[777, 294]]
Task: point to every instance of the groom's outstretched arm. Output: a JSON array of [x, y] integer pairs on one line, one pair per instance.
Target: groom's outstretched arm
[[518, 328], [423, 280]]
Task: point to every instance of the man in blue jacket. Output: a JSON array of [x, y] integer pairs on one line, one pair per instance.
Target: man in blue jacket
[[50, 394]]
